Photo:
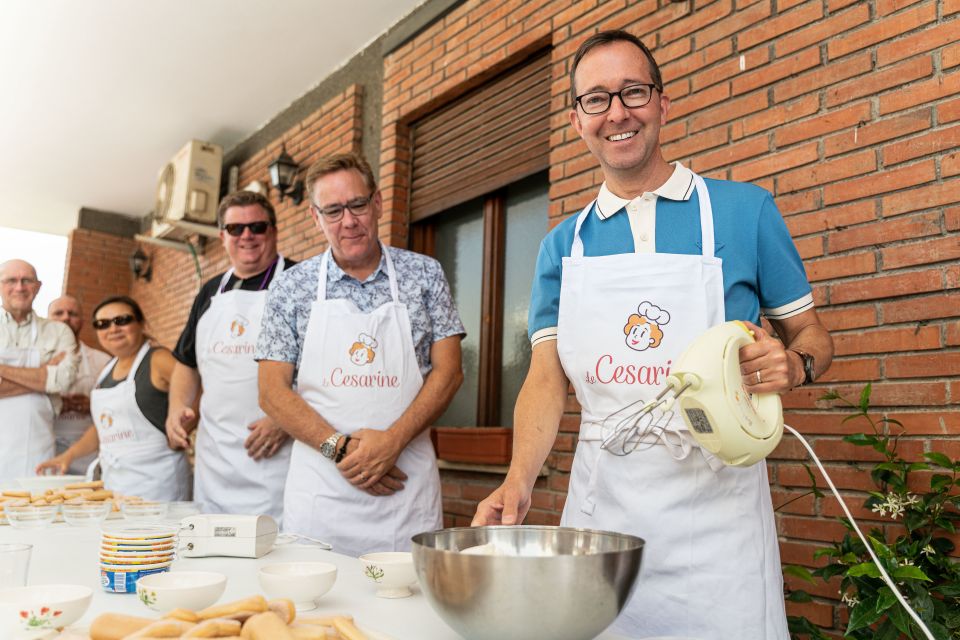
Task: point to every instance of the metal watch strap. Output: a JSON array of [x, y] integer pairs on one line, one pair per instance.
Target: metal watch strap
[[343, 450], [329, 447]]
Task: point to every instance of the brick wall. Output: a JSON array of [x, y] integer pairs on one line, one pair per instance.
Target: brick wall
[[334, 127], [847, 111], [97, 266]]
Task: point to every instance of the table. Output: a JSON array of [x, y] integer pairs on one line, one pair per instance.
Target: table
[[66, 554]]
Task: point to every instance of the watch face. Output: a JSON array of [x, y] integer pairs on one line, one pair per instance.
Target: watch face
[[328, 449]]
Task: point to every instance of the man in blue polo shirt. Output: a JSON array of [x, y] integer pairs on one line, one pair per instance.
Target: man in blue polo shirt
[[620, 290]]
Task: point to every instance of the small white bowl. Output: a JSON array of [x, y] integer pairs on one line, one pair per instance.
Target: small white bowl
[[87, 514], [31, 516], [26, 612], [302, 582], [144, 511], [39, 484], [192, 590], [391, 571]]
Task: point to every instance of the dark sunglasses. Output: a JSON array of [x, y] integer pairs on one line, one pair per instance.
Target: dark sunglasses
[[121, 321], [256, 228]]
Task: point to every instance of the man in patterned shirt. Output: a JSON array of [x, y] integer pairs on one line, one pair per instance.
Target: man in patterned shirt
[[371, 338]]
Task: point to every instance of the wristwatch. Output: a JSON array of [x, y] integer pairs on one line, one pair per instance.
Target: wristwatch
[[329, 447], [809, 373]]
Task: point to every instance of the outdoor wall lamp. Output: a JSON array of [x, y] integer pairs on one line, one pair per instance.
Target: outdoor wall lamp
[[283, 174], [141, 265]]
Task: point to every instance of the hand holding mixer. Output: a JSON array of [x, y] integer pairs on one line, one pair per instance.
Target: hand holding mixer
[[737, 427]]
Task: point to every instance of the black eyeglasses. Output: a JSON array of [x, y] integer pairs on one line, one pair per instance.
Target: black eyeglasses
[[256, 228], [358, 207], [121, 321], [632, 96]]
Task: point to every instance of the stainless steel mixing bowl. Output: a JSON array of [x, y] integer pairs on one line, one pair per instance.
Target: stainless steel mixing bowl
[[543, 582]]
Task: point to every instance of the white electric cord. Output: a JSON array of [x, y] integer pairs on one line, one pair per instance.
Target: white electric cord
[[876, 561]]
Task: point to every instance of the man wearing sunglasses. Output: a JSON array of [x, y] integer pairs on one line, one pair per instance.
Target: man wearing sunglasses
[[38, 363], [75, 417], [620, 290], [371, 338], [241, 455]]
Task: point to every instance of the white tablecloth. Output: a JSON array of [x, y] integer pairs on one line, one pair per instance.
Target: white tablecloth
[[68, 555]]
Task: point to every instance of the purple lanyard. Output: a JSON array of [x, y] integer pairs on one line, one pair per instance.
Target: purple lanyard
[[263, 283]]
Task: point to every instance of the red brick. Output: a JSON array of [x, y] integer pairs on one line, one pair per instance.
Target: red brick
[[832, 218], [823, 30], [879, 287], [932, 38], [933, 142], [879, 81], [863, 369], [936, 422], [950, 56], [795, 203], [840, 318], [920, 308], [849, 116], [730, 68], [775, 117], [696, 60], [825, 76], [882, 30], [692, 144], [604, 10], [931, 90], [926, 365], [855, 264], [884, 232], [783, 23], [709, 97], [769, 74], [730, 154], [775, 163], [950, 165], [733, 24], [948, 111], [879, 131], [696, 21], [886, 7], [826, 172], [809, 248], [883, 182], [727, 110], [925, 252]]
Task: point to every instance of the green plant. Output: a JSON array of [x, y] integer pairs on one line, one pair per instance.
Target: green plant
[[918, 558]]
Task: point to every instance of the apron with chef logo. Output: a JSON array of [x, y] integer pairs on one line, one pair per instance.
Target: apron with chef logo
[[135, 458], [359, 370], [27, 419], [227, 479], [711, 565], [71, 425]]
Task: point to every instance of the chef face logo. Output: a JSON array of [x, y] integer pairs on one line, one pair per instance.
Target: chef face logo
[[106, 418], [363, 350], [238, 326], [643, 329]]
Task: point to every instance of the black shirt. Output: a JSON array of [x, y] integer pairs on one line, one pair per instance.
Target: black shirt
[[186, 349], [151, 401]]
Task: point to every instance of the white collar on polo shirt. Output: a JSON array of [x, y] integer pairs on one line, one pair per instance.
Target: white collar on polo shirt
[[679, 186]]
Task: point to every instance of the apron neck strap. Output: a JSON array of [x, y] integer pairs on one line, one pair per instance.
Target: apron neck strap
[[279, 263], [706, 222], [324, 265], [144, 348]]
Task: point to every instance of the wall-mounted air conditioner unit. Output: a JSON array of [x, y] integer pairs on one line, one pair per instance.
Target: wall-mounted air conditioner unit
[[188, 191]]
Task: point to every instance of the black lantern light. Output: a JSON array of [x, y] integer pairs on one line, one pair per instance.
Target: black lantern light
[[283, 174], [140, 265]]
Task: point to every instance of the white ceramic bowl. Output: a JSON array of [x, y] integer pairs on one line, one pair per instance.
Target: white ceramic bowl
[[144, 511], [27, 611], [30, 516], [39, 484], [302, 582], [391, 572], [87, 514], [192, 590], [181, 509]]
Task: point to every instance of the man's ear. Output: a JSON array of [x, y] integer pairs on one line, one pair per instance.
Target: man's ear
[[664, 108], [575, 122]]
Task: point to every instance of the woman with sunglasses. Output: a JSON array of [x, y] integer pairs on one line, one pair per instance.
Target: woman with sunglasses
[[129, 409]]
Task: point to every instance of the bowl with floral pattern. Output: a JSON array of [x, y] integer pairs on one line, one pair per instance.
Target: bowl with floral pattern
[[38, 611], [390, 572]]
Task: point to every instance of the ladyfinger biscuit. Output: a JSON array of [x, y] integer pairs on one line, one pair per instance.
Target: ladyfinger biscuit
[[325, 621], [266, 626], [115, 626], [347, 629], [166, 628], [313, 632], [99, 495], [256, 604], [214, 628], [183, 614], [17, 494], [283, 608], [96, 484]]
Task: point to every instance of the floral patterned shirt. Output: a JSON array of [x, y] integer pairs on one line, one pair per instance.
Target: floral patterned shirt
[[423, 290]]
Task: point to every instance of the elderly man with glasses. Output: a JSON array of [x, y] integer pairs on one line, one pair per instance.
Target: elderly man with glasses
[[241, 454], [38, 363], [371, 339]]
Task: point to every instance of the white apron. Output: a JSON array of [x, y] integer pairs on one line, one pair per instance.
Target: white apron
[[70, 426], [711, 564], [135, 458], [359, 370], [227, 479], [26, 420]]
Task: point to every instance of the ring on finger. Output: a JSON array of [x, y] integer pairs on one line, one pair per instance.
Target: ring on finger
[[759, 379]]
